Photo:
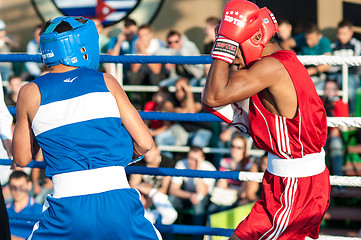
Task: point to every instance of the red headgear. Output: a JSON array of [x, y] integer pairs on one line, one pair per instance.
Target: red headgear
[[242, 20], [252, 49]]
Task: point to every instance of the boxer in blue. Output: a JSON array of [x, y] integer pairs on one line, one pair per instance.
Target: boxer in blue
[[88, 132]]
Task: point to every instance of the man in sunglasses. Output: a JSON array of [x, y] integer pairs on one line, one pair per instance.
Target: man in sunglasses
[[180, 45], [23, 205]]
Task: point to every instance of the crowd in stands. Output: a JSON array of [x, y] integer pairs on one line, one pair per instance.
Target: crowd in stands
[[165, 198]]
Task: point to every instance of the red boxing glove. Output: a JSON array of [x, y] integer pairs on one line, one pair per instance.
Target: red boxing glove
[[224, 49], [240, 20]]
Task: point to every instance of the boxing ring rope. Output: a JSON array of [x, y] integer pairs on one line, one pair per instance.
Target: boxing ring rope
[[348, 181], [241, 176], [203, 59], [208, 117]]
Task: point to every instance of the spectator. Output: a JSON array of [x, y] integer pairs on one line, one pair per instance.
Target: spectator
[[11, 95], [13, 88], [284, 33], [5, 136], [103, 42], [345, 46], [312, 42], [180, 45], [103, 39], [154, 159], [7, 43], [227, 193], [254, 189], [146, 44], [193, 192], [163, 211], [33, 47], [211, 23], [145, 74], [335, 107], [124, 43], [160, 103], [154, 189], [223, 140], [23, 205], [186, 133]]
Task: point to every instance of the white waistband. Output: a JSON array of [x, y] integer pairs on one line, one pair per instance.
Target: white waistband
[[89, 181], [309, 165]]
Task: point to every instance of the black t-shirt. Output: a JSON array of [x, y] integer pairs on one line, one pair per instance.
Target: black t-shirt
[[4, 220], [208, 48]]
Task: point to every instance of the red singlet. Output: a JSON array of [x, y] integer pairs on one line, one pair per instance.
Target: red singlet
[[291, 207]]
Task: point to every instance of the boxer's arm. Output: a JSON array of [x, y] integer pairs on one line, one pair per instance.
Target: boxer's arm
[[135, 179], [24, 145], [221, 90], [142, 139]]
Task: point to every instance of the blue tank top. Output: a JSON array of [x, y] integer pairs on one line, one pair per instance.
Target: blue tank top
[[78, 124]]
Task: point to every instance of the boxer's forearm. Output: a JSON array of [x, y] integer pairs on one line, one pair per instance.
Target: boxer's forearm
[[217, 80]]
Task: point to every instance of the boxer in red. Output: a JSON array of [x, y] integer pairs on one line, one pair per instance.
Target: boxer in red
[[286, 118]]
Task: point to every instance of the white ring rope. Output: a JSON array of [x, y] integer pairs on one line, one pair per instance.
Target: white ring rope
[[348, 181], [330, 60], [344, 121]]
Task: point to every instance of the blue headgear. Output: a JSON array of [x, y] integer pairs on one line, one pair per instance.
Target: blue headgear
[[78, 47]]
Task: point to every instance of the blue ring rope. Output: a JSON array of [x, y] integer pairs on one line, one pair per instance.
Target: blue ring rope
[[157, 171], [190, 117], [168, 116], [204, 59], [32, 164], [28, 221], [194, 230]]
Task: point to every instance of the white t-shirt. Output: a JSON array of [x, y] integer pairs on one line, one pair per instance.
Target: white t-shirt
[[154, 46], [190, 183]]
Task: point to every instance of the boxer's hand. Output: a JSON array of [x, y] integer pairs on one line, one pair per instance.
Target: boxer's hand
[[224, 49]]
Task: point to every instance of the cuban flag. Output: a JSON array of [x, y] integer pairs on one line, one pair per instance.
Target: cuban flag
[[107, 11]]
